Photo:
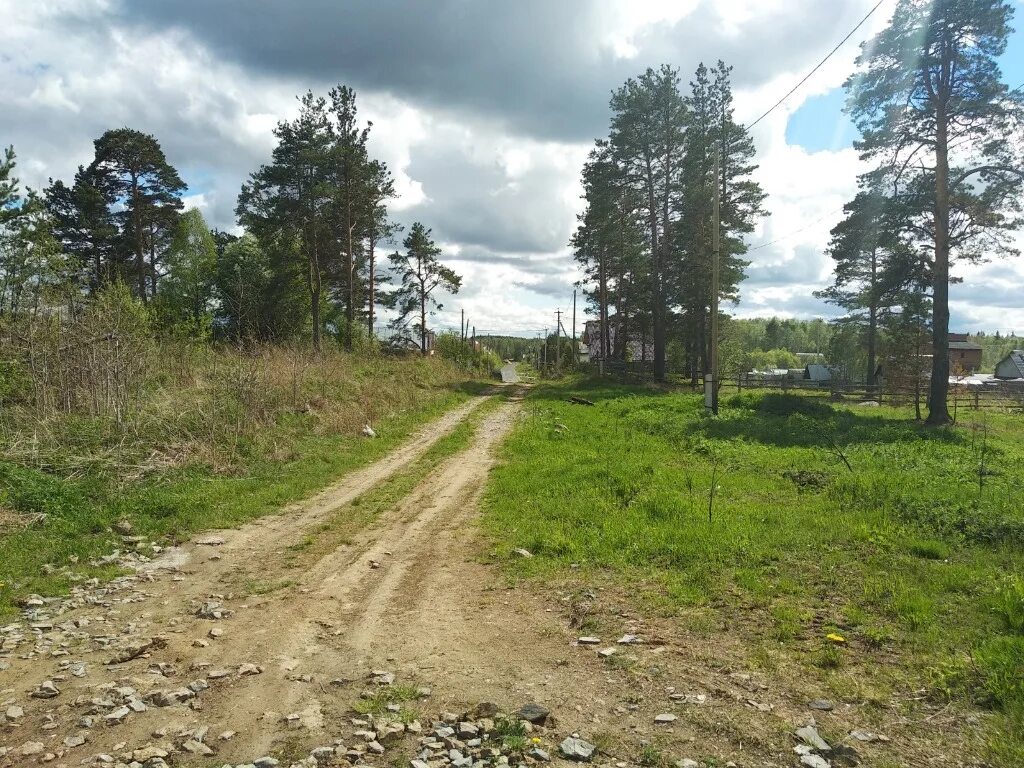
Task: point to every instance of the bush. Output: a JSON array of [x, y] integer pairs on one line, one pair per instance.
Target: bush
[[470, 355]]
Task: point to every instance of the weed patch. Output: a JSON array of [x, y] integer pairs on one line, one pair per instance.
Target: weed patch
[[790, 518]]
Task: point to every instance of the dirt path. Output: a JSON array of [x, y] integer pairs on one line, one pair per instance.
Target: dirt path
[[214, 674], [406, 594]]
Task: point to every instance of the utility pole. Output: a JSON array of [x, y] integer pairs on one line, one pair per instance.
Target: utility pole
[[558, 341], [715, 257], [575, 349], [544, 349], [462, 326]]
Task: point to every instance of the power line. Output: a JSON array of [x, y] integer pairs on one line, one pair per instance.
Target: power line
[[816, 68], [796, 231]]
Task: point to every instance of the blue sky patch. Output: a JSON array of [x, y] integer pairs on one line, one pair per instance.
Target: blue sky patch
[[820, 124]]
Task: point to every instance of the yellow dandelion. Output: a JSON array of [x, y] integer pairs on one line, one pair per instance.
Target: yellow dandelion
[[535, 740], [835, 638]]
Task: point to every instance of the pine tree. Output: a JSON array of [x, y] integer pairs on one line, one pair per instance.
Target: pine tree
[[419, 274], [286, 204], [712, 132], [859, 248], [648, 133], [84, 224], [352, 210], [144, 190], [944, 132]]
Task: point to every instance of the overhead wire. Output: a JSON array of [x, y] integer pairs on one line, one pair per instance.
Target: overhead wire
[[818, 66]]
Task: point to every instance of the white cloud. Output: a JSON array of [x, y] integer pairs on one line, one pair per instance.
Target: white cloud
[[485, 138]]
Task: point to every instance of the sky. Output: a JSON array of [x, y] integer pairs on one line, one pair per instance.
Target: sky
[[484, 110]]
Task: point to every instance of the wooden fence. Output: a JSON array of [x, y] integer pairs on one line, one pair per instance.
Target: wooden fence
[[1004, 396]]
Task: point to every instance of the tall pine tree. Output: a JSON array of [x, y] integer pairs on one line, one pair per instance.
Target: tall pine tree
[[943, 130]]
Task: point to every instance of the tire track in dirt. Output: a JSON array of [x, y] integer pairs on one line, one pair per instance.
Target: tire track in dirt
[[270, 631]]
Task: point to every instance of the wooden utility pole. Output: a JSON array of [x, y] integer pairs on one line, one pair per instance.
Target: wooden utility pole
[[462, 326], [544, 350], [558, 341], [715, 258], [575, 349]]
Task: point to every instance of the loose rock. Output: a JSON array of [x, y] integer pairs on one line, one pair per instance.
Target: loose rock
[[575, 748], [533, 713]]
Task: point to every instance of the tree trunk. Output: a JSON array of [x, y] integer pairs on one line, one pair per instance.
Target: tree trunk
[[350, 309], [423, 308], [623, 314], [152, 258], [315, 291], [140, 257], [603, 331], [372, 286], [658, 310], [938, 410], [872, 322], [314, 298]]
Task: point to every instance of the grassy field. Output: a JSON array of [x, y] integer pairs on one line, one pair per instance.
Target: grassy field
[[59, 506], [877, 556]]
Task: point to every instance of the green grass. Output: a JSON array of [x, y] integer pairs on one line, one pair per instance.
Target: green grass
[[377, 702], [902, 551], [78, 513]]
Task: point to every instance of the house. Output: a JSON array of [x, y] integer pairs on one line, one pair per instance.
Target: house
[[817, 373], [964, 355], [638, 347], [1011, 366]]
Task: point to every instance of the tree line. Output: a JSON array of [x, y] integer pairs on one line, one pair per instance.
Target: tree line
[[315, 223], [942, 135], [644, 240]]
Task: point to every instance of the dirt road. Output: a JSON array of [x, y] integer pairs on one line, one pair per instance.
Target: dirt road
[[277, 673], [263, 642]]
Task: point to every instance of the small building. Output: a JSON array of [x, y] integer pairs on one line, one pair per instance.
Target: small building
[[964, 355], [817, 372], [1011, 366]]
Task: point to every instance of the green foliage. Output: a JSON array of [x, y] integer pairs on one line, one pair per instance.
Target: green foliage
[[464, 353], [242, 286], [418, 273], [759, 360], [185, 301]]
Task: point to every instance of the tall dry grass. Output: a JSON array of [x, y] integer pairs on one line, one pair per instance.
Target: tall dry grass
[[101, 393]]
